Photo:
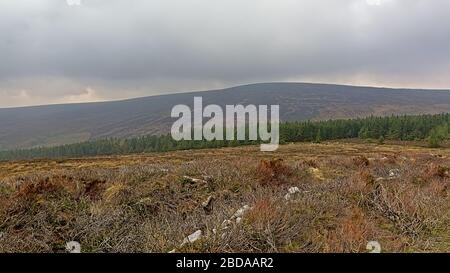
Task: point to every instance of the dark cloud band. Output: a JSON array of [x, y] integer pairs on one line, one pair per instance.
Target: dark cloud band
[[51, 51]]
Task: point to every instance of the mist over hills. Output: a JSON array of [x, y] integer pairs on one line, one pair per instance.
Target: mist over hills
[[27, 127]]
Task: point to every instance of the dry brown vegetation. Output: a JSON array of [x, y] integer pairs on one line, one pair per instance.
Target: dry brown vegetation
[[348, 194]]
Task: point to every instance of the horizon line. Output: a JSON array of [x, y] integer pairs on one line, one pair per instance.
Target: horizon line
[[226, 88]]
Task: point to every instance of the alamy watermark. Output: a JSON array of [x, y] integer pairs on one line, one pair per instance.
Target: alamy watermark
[[73, 2], [237, 122]]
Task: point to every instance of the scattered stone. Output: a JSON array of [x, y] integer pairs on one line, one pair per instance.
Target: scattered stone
[[208, 204], [194, 180], [240, 212], [193, 237], [291, 191], [394, 173], [236, 218], [294, 190], [373, 247], [189, 240], [73, 247]]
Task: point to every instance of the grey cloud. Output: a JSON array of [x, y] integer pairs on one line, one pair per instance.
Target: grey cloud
[[120, 48]]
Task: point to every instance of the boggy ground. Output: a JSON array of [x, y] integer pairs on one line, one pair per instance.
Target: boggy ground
[[343, 195]]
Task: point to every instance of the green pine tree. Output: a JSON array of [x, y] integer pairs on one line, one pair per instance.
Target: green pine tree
[[318, 138], [433, 140]]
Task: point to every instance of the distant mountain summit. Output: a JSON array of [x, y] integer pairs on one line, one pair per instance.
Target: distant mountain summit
[[27, 127]]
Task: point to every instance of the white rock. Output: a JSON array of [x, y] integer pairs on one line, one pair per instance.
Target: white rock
[[73, 247], [394, 173], [194, 180], [238, 220], [374, 247], [193, 237], [172, 251], [291, 191], [294, 190], [240, 212], [208, 201]]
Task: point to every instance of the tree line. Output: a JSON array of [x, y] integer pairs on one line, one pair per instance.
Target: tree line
[[433, 128]]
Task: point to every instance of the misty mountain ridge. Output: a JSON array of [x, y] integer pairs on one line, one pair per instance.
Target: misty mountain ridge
[[26, 127]]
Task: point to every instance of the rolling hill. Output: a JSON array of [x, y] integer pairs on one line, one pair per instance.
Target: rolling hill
[[27, 127]]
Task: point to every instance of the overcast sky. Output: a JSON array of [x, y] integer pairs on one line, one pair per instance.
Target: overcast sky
[[52, 52]]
